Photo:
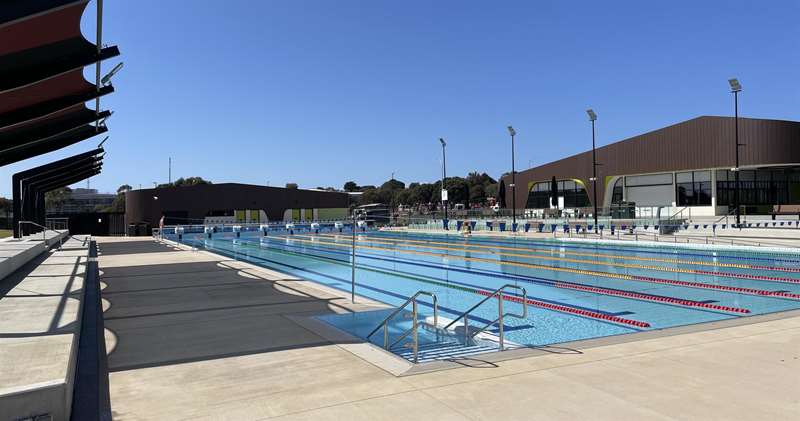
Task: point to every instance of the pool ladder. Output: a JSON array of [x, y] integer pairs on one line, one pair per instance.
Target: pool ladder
[[468, 335], [500, 314], [414, 330]]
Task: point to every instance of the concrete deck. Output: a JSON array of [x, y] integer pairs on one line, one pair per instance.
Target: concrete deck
[[192, 335], [39, 326], [16, 252]]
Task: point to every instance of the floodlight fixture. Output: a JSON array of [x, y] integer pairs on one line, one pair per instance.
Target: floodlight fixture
[[511, 131], [592, 115], [735, 85], [107, 78]]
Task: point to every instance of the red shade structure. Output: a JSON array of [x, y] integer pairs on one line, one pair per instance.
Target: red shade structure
[[43, 95], [42, 89]]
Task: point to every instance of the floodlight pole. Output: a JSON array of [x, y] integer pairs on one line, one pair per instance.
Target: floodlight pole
[[736, 138], [353, 263], [444, 177], [594, 177], [513, 184]]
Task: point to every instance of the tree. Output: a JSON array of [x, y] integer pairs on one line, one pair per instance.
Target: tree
[[55, 199], [123, 188], [491, 190], [292, 186], [477, 194], [393, 185], [457, 190], [181, 182], [350, 186], [6, 206]]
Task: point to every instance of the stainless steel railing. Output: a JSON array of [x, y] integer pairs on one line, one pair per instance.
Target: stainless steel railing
[[500, 314], [44, 231], [413, 331]]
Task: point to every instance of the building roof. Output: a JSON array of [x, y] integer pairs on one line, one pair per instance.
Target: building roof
[[702, 142]]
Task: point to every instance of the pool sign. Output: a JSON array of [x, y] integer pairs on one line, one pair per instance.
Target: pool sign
[[444, 194]]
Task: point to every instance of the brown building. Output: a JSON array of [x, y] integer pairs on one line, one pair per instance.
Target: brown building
[[231, 203], [684, 165]]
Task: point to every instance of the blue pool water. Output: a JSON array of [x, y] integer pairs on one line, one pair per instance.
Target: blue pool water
[[576, 289]]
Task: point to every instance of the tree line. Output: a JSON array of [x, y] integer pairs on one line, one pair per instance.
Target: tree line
[[475, 189]]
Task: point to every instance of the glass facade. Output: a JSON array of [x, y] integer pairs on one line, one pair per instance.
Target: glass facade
[[616, 191], [575, 195], [760, 187], [693, 188]]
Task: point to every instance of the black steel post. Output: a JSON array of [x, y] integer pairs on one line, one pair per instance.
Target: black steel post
[[736, 137], [594, 179]]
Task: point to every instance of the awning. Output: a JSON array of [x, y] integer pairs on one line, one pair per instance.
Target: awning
[[42, 88], [30, 186]]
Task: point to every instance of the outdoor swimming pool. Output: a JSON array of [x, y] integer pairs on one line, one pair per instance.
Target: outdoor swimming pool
[[575, 289]]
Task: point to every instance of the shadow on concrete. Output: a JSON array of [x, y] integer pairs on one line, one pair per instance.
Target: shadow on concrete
[[133, 247], [185, 312], [21, 284]]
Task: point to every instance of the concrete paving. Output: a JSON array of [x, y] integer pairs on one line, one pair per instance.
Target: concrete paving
[[192, 335], [39, 324]]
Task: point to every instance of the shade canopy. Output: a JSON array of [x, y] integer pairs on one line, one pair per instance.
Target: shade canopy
[[42, 88], [30, 186]]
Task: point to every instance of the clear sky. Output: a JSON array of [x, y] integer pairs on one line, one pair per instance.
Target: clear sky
[[321, 92]]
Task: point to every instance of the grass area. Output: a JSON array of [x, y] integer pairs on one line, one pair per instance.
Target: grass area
[[6, 233]]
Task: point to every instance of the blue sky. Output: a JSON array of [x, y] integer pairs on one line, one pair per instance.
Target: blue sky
[[321, 92]]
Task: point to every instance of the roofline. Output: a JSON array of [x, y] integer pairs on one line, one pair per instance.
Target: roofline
[[647, 133]]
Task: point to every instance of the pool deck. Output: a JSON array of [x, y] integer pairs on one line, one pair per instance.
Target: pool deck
[[193, 335]]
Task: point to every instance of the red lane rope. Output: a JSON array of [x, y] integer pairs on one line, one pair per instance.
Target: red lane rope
[[565, 309], [750, 291], [670, 300], [748, 276]]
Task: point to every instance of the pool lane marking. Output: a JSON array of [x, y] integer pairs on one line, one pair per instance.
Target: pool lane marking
[[421, 244], [658, 299], [529, 301], [676, 301], [640, 249], [640, 278], [466, 243]]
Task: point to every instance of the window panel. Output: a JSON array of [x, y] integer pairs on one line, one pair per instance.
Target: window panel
[[648, 180]]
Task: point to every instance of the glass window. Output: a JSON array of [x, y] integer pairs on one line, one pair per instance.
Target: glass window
[[648, 180], [702, 176], [683, 177], [616, 192], [693, 188]]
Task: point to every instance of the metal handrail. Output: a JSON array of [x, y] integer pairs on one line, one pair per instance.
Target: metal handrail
[[500, 315], [415, 323], [44, 231], [680, 212], [51, 222]]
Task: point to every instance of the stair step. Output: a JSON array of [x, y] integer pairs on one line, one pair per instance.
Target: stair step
[[441, 351]]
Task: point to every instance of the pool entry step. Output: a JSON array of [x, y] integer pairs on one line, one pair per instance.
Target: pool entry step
[[423, 339]]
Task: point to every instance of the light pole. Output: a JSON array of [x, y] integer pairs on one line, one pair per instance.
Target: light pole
[[513, 133], [592, 118], [444, 177], [735, 89]]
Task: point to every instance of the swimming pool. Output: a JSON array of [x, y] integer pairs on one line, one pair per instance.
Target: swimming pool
[[575, 289]]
